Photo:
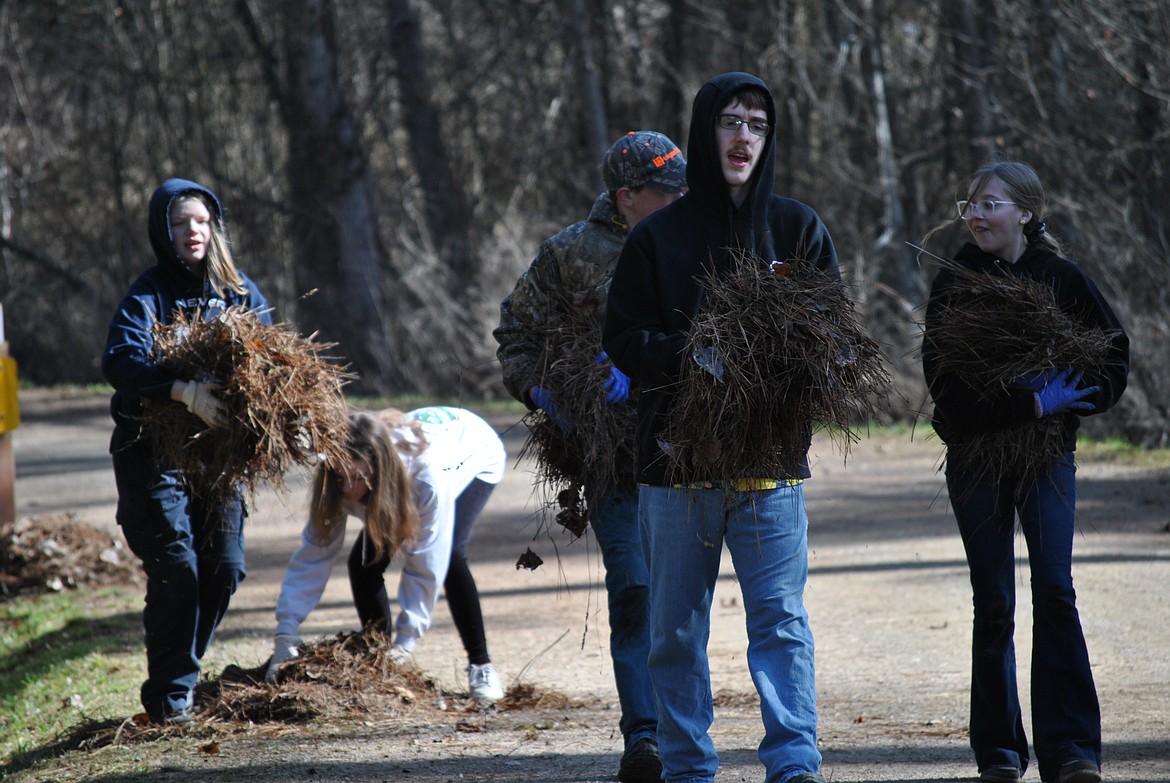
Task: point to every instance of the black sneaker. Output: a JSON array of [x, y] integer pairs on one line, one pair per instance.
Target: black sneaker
[[1078, 771], [806, 777], [640, 763], [1004, 773]]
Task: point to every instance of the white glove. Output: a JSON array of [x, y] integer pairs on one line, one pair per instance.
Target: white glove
[[399, 655], [285, 647], [200, 399]]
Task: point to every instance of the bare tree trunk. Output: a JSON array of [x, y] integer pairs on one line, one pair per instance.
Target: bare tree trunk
[[593, 113], [1152, 160], [675, 103], [790, 138], [969, 41], [334, 221], [896, 292], [448, 217]]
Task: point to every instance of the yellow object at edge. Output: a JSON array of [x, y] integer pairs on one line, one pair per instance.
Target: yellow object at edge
[[9, 399]]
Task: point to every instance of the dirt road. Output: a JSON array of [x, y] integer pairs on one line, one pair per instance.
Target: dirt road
[[888, 598]]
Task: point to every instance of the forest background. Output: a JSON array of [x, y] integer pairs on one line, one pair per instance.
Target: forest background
[[389, 167]]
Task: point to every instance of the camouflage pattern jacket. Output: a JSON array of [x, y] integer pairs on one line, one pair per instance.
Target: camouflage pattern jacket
[[571, 272]]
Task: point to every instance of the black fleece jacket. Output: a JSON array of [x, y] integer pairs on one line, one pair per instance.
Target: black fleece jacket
[[658, 283], [961, 409]]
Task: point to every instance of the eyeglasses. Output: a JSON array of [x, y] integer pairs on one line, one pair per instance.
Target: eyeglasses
[[980, 209], [732, 123]]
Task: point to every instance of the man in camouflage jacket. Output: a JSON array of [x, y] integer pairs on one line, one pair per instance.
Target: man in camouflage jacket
[[643, 172]]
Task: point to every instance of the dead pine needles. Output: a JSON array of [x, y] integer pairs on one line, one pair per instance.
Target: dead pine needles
[[597, 450], [990, 329], [776, 349], [283, 399]]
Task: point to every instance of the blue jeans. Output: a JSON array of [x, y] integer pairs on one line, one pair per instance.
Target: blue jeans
[[767, 535], [1066, 719], [614, 519], [193, 554]]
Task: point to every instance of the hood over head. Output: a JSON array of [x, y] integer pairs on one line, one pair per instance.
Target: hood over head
[[707, 185], [158, 224], [704, 172]]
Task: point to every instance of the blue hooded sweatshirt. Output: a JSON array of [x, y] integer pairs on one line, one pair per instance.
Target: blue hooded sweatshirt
[[658, 283], [157, 296]]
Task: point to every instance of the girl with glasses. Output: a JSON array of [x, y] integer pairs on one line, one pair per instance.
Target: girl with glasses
[[1003, 211]]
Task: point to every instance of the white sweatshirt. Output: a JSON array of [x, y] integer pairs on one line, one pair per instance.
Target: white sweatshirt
[[460, 447]]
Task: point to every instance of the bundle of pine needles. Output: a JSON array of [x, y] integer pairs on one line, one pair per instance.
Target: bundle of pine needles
[[355, 661], [991, 329], [599, 450], [776, 349], [283, 399]]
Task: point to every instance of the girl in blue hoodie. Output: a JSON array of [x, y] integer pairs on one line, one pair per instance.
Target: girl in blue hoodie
[[191, 547]]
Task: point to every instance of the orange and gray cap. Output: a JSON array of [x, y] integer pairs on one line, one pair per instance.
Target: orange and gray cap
[[645, 159]]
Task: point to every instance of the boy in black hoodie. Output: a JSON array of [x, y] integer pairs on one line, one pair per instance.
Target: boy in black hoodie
[[655, 295]]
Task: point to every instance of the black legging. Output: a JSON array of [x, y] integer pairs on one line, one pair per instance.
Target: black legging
[[369, 587]]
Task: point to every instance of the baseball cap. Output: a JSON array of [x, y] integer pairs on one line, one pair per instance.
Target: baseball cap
[[645, 158]]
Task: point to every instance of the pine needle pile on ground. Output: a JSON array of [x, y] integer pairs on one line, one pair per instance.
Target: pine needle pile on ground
[[776, 349], [599, 451], [54, 552], [283, 399], [348, 676], [991, 330]]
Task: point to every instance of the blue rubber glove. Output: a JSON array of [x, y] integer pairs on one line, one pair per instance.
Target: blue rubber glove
[[1061, 395], [617, 385], [543, 399]]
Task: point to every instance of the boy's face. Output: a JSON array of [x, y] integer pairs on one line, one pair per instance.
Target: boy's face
[[739, 149]]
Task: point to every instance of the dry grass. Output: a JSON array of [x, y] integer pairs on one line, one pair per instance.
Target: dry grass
[[348, 676], [991, 329], [599, 452], [54, 552], [794, 355], [284, 402]]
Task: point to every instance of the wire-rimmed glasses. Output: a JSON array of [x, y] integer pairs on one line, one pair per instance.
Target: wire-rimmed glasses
[[733, 123]]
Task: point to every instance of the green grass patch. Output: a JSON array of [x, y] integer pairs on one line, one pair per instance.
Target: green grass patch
[[1115, 451], [66, 658]]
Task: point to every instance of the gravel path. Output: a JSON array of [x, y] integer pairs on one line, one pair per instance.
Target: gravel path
[[888, 598]]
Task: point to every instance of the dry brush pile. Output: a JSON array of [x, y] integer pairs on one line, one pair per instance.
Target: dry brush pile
[[283, 399], [54, 552], [993, 329], [598, 449], [776, 350], [346, 676]]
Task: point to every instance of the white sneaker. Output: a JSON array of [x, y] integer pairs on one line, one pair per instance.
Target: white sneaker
[[484, 683]]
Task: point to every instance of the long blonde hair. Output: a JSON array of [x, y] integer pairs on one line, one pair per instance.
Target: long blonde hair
[[221, 267], [391, 514]]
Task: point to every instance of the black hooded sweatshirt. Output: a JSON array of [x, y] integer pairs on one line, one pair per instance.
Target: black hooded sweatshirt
[[658, 283]]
